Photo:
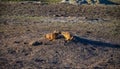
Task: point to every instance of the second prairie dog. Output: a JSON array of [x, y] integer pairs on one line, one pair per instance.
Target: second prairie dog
[[52, 36], [67, 35]]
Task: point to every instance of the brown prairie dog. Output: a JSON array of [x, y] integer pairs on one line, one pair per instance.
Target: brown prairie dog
[[52, 36], [67, 35]]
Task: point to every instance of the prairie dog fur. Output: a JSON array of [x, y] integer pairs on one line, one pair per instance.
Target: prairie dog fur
[[67, 35]]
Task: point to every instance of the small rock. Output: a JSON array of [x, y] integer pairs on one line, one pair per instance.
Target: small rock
[[17, 42], [88, 32], [25, 43], [39, 60], [35, 43], [18, 61]]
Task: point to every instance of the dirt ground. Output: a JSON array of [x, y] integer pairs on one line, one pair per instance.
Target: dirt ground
[[96, 31]]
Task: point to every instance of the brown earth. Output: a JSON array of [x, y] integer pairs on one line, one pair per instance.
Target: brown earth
[[96, 30], [60, 10]]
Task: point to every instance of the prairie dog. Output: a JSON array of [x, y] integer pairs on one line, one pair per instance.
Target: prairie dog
[[52, 36], [67, 35]]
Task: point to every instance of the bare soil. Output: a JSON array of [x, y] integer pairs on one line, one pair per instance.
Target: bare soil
[[96, 30]]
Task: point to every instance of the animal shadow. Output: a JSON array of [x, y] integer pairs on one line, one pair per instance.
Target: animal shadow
[[93, 42], [106, 2]]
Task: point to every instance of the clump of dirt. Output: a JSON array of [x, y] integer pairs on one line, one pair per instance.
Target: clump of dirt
[[35, 43]]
